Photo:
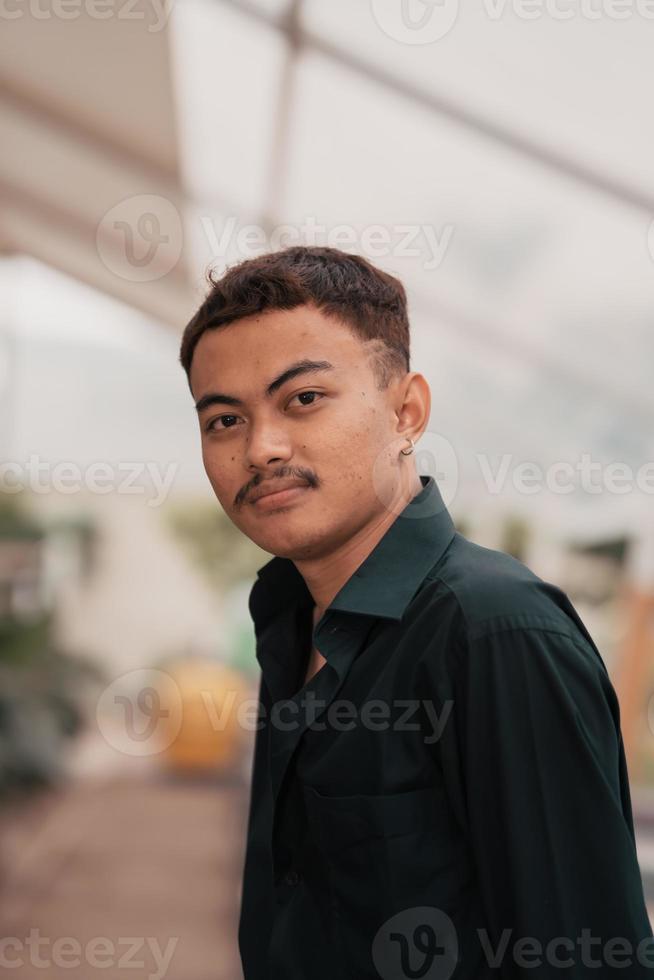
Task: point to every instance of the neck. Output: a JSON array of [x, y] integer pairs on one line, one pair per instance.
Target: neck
[[326, 576]]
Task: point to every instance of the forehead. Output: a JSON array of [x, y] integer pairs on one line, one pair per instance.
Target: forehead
[[254, 349]]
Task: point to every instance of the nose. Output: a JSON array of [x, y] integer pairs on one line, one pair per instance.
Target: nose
[[266, 444]]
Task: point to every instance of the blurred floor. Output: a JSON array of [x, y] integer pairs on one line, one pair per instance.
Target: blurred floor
[[136, 873], [148, 868], [643, 808]]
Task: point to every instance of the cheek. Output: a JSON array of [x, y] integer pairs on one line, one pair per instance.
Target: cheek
[[357, 422], [216, 469], [215, 456], [224, 469], [356, 453], [360, 437], [209, 458]]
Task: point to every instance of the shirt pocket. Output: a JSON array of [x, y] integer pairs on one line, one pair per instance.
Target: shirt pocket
[[341, 822], [385, 854]]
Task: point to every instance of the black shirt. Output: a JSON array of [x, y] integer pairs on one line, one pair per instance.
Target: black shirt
[[447, 796]]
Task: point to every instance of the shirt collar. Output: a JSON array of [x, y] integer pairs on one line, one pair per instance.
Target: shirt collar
[[385, 581]]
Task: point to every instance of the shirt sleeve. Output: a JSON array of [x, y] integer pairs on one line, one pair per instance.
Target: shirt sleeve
[[548, 812]]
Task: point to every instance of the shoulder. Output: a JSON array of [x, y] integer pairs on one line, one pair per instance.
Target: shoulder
[[485, 592], [512, 639]]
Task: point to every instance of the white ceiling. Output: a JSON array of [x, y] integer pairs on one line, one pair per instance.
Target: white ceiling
[[521, 146], [87, 123]]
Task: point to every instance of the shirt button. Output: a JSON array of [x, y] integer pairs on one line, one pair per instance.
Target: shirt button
[[292, 877]]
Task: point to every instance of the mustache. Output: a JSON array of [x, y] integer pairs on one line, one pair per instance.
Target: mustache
[[283, 474]]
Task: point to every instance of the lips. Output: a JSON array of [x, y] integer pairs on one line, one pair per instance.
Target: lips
[[265, 489]]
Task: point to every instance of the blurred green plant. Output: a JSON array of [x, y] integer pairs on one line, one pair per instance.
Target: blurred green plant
[[43, 690], [15, 521], [42, 698], [223, 553]]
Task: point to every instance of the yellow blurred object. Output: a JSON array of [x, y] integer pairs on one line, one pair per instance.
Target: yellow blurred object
[[211, 732]]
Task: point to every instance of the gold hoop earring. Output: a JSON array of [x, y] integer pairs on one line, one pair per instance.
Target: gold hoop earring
[[407, 452]]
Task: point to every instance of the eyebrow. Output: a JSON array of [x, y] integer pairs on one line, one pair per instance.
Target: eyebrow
[[298, 368]]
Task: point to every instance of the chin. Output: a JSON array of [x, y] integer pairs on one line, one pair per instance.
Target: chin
[[290, 540]]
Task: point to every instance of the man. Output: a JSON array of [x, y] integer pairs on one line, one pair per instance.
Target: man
[[439, 784]]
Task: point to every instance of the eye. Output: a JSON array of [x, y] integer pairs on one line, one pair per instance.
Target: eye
[[229, 421], [211, 427], [301, 394]]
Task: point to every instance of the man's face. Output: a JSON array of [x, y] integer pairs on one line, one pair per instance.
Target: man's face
[[329, 427]]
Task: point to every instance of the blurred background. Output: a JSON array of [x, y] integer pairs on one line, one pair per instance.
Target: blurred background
[[496, 156]]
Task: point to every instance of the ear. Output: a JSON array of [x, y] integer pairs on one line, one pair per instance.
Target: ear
[[413, 405]]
